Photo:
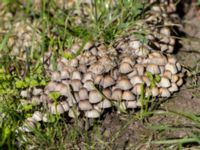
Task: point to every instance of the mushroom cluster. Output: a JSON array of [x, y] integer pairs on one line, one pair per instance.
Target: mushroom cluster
[[102, 76]]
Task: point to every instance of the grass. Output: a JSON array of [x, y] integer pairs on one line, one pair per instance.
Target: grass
[[59, 31]]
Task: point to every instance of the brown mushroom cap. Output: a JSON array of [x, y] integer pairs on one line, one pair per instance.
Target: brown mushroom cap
[[107, 81], [117, 94], [83, 94]]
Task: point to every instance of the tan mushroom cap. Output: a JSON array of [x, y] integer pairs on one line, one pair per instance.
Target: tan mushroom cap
[[131, 104], [128, 95], [124, 84], [107, 93], [136, 79], [76, 84], [56, 76], [104, 104], [92, 114], [171, 67], [107, 81], [95, 96], [173, 88], [137, 89], [164, 82], [152, 68], [84, 105], [76, 75], [89, 85], [83, 94], [117, 94], [164, 92], [125, 68], [64, 74], [56, 109]]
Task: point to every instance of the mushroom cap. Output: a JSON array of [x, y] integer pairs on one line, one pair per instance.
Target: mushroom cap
[[74, 62], [154, 91], [164, 92], [64, 74], [104, 104], [89, 85], [125, 68], [87, 76], [124, 84], [92, 114], [171, 67], [24, 93], [140, 69], [164, 82], [154, 69], [83, 94], [128, 60], [107, 93], [56, 76], [95, 96], [107, 81], [62, 89], [82, 68], [136, 79], [51, 86], [128, 95], [76, 85], [133, 73], [179, 82], [131, 104], [173, 88], [37, 116], [76, 75], [84, 105], [117, 94], [167, 74], [137, 89], [98, 79], [97, 68]]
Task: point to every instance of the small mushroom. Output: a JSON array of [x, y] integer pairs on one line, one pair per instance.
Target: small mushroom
[[76, 75], [95, 96], [167, 74], [171, 67], [76, 85], [117, 94], [164, 82], [136, 79], [124, 84], [89, 85], [62, 89], [92, 114], [87, 76], [37, 91], [154, 69], [164, 92], [83, 94], [154, 91], [104, 104], [24, 93], [107, 93], [125, 68], [131, 104], [97, 68], [98, 79], [137, 90], [37, 116], [179, 82], [174, 78], [128, 60], [107, 81], [64, 74], [74, 62], [173, 88], [84, 105], [128, 95]]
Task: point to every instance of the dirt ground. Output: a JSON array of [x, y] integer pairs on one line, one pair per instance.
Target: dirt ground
[[137, 134]]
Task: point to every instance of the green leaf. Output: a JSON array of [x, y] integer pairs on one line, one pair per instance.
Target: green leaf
[[54, 95]]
